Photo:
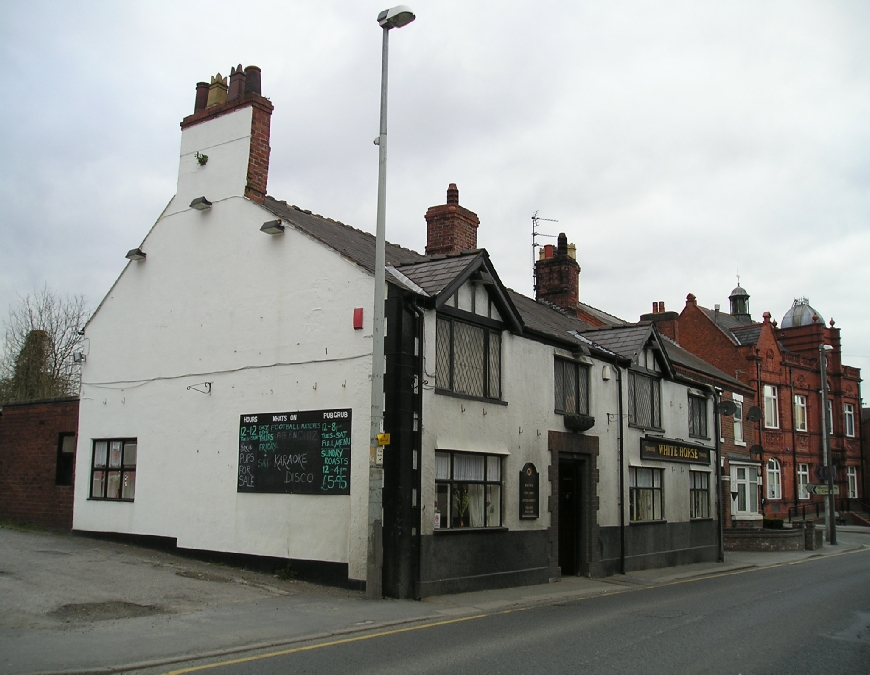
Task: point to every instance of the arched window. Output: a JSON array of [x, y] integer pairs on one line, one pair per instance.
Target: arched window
[[774, 482]]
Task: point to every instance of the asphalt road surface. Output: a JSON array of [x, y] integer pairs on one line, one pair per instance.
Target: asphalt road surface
[[807, 617]]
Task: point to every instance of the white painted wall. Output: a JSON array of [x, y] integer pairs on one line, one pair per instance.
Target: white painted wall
[[267, 320]]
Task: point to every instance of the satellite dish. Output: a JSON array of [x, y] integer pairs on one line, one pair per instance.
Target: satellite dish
[[756, 450], [753, 414], [727, 408]]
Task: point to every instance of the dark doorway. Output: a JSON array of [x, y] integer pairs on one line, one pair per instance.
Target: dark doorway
[[570, 518]]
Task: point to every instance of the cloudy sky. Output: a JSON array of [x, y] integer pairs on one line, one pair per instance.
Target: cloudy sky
[[676, 143]]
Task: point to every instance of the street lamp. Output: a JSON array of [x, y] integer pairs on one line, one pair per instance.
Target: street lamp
[[390, 18], [830, 517]]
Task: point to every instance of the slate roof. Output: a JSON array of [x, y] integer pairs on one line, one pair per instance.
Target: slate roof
[[626, 341], [686, 359], [724, 319], [747, 335], [356, 245], [545, 320], [434, 274], [604, 317]]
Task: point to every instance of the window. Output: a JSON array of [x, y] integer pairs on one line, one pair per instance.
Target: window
[[467, 490], [645, 494], [774, 479], [66, 458], [849, 414], [800, 413], [771, 407], [830, 417], [113, 475], [803, 476], [572, 387], [467, 359], [744, 486], [644, 401], [852, 476], [699, 494], [738, 418], [697, 416]]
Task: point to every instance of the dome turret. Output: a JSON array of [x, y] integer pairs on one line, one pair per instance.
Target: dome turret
[[740, 303], [801, 314]]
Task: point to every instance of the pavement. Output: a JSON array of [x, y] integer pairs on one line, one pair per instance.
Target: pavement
[[75, 604]]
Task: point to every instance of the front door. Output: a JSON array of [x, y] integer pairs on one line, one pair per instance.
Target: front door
[[570, 518]]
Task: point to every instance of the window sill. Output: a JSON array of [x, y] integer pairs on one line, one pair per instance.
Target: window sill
[[648, 522], [701, 520], [467, 530], [110, 501], [742, 444], [468, 397], [646, 428], [700, 438]]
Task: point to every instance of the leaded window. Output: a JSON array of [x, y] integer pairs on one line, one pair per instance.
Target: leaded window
[[699, 494], [572, 387], [644, 401], [467, 359], [697, 416], [645, 494]]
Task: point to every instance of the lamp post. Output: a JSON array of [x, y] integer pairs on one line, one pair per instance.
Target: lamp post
[[830, 518], [390, 18]]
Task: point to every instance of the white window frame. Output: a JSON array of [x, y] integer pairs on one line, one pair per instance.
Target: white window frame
[[803, 479], [849, 418], [800, 412], [738, 419], [771, 407], [774, 479], [830, 419], [744, 478], [852, 482]]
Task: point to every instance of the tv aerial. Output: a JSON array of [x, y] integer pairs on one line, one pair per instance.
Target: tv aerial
[[535, 245]]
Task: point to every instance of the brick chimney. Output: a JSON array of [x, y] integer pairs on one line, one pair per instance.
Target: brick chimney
[[557, 276], [450, 228], [668, 323], [225, 142]]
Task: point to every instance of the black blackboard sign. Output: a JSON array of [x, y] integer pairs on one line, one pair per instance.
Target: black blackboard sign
[[303, 452], [529, 492]]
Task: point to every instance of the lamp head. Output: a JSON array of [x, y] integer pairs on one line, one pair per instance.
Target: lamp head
[[396, 17]]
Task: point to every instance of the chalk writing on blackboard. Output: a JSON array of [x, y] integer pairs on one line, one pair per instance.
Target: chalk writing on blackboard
[[302, 452]]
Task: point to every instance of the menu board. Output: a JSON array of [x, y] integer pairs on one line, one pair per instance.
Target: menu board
[[303, 452]]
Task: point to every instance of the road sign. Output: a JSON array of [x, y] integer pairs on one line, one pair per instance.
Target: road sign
[[821, 489], [821, 472]]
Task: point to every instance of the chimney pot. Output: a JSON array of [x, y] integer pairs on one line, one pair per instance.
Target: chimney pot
[[201, 96], [252, 80], [237, 83], [655, 308], [548, 251], [563, 244], [661, 305], [453, 194], [217, 91]]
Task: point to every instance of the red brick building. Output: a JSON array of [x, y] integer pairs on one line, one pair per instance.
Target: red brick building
[[782, 417], [37, 461]]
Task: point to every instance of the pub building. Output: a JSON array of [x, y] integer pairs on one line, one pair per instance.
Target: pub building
[[524, 439]]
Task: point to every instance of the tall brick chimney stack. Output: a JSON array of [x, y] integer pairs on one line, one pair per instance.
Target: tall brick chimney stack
[[229, 122], [557, 275], [450, 228]]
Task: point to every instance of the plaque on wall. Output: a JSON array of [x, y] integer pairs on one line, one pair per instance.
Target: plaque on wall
[[529, 492]]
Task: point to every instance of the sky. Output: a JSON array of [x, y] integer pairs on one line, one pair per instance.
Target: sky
[[677, 144]]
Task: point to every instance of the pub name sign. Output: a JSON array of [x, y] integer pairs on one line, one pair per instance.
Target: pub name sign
[[673, 451]]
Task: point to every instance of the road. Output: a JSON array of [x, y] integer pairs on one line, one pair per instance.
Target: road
[[807, 617]]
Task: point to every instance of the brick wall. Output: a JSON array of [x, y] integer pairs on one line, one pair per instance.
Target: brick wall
[[29, 438], [450, 228]]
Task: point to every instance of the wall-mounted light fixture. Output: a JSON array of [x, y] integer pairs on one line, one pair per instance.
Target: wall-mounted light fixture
[[273, 227], [135, 254], [200, 204], [79, 357]]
